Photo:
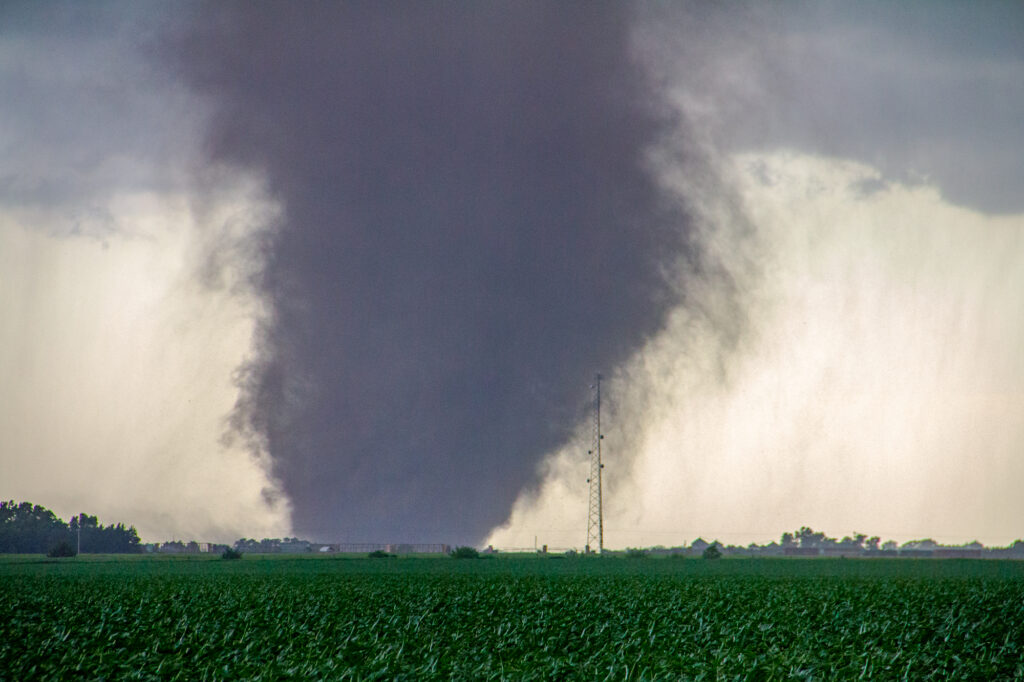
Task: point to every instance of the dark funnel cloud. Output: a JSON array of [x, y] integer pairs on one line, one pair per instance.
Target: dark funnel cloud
[[468, 234]]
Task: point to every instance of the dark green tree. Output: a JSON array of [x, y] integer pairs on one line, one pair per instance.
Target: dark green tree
[[26, 528], [62, 549], [465, 553]]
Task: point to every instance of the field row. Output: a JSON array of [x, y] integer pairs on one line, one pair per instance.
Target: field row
[[416, 625]]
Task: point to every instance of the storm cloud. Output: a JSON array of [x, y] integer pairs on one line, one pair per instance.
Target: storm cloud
[[469, 230], [926, 94]]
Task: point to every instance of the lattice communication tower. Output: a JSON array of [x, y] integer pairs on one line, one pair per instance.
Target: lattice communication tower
[[595, 516]]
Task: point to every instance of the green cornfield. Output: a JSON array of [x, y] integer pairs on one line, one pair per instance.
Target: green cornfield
[[509, 618]]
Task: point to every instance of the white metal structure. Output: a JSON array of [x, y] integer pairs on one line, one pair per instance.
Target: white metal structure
[[595, 516]]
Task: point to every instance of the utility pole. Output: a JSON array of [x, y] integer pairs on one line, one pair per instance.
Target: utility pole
[[595, 516]]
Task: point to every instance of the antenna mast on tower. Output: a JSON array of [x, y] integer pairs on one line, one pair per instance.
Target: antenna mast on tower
[[595, 518]]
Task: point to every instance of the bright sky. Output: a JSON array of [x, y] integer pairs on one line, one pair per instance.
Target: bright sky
[[123, 365], [879, 391]]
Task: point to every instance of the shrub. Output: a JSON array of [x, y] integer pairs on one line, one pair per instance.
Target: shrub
[[465, 553], [380, 554], [231, 554], [62, 548], [712, 551], [635, 554]]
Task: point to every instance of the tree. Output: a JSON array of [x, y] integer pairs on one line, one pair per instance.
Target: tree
[[230, 554], [28, 528], [712, 552], [808, 538], [465, 553], [62, 549]]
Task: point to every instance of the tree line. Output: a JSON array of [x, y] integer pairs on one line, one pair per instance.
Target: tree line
[[27, 528], [808, 541]]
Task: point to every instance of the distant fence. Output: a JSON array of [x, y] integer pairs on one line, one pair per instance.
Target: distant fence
[[391, 548], [302, 547]]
